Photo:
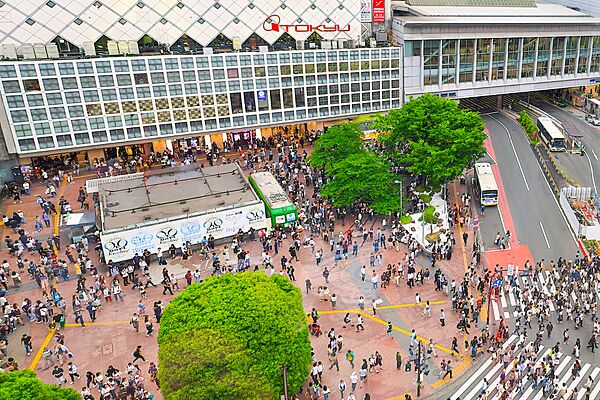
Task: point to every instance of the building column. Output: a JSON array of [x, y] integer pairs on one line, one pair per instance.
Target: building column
[[499, 101]]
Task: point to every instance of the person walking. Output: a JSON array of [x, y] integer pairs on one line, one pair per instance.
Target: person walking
[[72, 370], [350, 358], [137, 354], [448, 370], [342, 388], [359, 323], [135, 323], [442, 318], [353, 380], [79, 317], [26, 342]]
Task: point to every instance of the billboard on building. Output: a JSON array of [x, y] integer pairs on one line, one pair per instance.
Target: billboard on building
[[378, 10], [366, 15], [123, 245]]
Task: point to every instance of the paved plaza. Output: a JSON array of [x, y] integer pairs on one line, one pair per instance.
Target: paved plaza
[[111, 340]]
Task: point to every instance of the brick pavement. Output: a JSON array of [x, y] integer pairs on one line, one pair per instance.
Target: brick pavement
[[112, 341]]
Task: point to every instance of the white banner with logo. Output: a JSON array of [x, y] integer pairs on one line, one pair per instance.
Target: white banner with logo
[[123, 245]]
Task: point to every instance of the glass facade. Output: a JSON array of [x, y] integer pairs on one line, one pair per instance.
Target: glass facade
[[467, 57], [498, 59], [431, 62], [65, 104]]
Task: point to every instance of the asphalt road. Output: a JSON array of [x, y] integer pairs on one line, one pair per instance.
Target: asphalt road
[[584, 170], [535, 211]]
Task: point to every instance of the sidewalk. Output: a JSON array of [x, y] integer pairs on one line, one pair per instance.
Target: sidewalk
[[111, 340]]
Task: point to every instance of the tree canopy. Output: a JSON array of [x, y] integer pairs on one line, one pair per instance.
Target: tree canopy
[[363, 177], [24, 385], [335, 145], [432, 137], [229, 337]]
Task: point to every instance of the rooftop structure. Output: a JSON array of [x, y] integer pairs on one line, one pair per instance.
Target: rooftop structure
[[172, 193]]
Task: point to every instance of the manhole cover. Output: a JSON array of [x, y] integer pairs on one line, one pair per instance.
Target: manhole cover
[[107, 349]]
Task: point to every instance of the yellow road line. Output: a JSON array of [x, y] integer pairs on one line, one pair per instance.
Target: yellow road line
[[460, 231], [98, 323], [401, 397], [462, 246], [407, 333], [466, 362], [391, 306], [40, 351]]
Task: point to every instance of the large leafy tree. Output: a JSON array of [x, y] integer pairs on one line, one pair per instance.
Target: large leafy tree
[[229, 338], [335, 145], [363, 177], [24, 385], [432, 137]]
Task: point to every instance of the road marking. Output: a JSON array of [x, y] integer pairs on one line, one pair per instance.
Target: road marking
[[407, 333], [40, 351], [593, 376], [514, 150], [594, 153], [591, 169], [557, 204], [544, 233], [496, 310], [329, 312]]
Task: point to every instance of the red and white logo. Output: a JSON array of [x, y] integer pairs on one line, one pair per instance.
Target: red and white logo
[[273, 24]]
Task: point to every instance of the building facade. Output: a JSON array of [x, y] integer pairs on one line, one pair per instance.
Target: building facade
[[483, 51], [58, 106]]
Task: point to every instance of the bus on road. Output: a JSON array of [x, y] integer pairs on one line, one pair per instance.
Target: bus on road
[[551, 134], [280, 210], [485, 184]]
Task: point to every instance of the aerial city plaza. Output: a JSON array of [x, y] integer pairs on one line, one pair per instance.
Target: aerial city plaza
[[300, 199]]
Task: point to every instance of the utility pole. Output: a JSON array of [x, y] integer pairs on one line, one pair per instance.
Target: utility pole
[[419, 369], [285, 388]]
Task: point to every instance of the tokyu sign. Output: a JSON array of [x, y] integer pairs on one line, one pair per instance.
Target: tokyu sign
[[273, 24]]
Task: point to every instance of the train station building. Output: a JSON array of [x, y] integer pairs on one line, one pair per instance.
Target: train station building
[[106, 78]]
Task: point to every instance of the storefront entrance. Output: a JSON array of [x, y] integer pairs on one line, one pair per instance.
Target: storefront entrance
[[124, 152]]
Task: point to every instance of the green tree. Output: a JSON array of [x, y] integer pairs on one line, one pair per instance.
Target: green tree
[[229, 338], [335, 145], [363, 177], [24, 385], [528, 125], [432, 137]]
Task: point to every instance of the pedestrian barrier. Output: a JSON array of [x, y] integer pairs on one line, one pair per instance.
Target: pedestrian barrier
[[547, 173]]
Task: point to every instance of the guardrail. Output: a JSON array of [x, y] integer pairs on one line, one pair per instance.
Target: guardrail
[[547, 172]]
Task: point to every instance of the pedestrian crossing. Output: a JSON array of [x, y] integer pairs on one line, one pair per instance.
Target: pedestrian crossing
[[491, 371], [543, 281]]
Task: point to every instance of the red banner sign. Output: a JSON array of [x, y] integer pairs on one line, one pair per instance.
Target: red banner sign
[[378, 10]]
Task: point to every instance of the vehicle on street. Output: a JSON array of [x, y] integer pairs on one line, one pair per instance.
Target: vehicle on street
[[485, 184], [551, 134], [592, 119]]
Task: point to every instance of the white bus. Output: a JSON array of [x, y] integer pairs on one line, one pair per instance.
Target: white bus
[[551, 134], [485, 184]]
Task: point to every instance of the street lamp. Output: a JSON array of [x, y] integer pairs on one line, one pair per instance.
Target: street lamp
[[401, 190], [419, 368]]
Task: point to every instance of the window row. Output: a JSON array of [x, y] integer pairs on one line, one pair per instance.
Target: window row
[[102, 135], [53, 106], [206, 106], [478, 60], [186, 62], [166, 85]]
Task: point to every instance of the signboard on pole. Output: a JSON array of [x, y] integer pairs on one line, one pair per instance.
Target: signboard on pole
[[366, 15], [511, 270], [378, 10]]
